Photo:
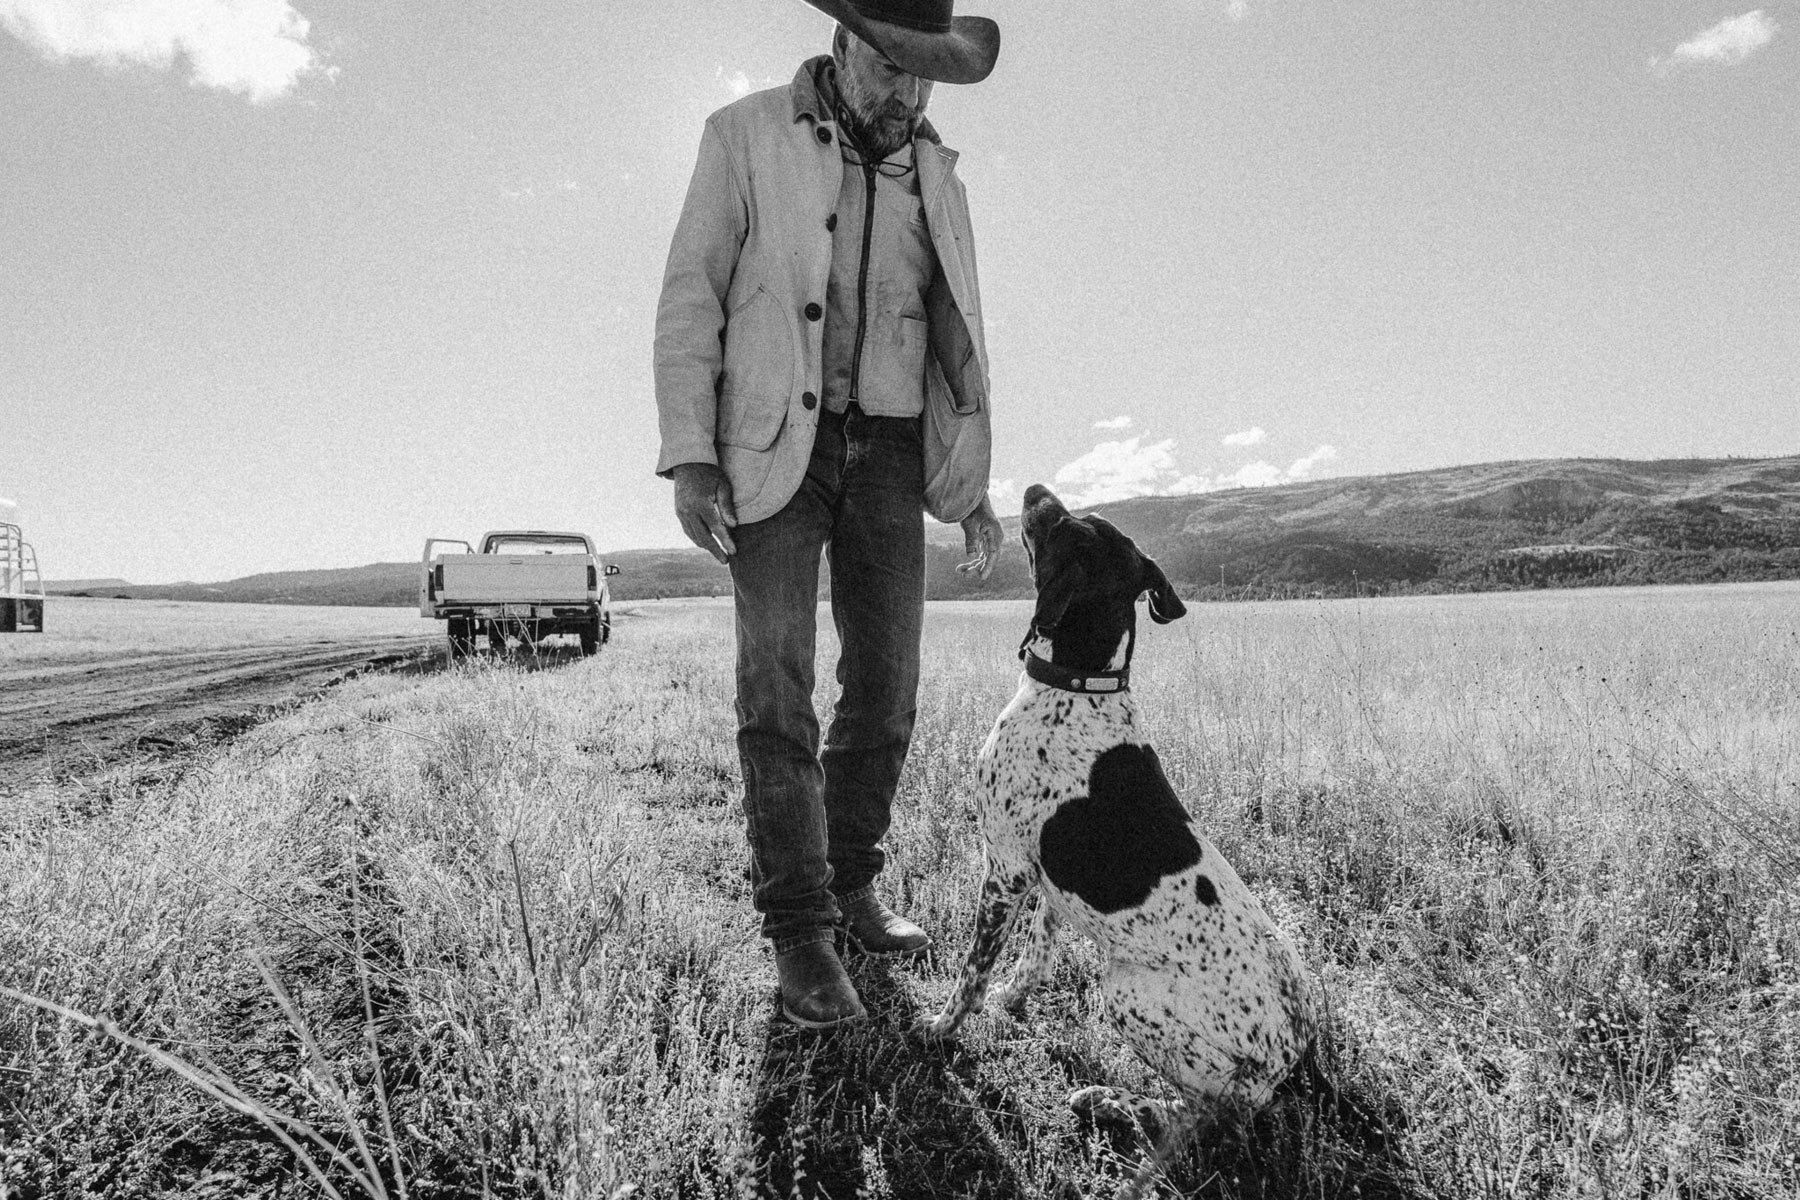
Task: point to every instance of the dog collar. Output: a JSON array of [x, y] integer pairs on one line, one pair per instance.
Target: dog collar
[[1063, 679]]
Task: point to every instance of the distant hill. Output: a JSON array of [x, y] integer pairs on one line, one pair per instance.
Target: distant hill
[[376, 585], [1561, 522], [650, 574], [643, 574], [73, 585], [1545, 523]]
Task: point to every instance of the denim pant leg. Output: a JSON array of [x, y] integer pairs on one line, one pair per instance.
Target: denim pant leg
[[775, 579], [877, 554]]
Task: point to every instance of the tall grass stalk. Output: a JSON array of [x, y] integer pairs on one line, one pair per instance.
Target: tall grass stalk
[[222, 1089]]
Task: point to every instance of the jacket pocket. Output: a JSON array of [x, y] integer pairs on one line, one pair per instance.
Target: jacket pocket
[[750, 422], [750, 428], [758, 375]]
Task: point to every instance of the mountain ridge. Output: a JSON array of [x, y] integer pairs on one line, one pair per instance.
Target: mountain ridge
[[1519, 523]]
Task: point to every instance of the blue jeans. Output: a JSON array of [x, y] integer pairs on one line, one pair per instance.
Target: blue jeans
[[815, 819]]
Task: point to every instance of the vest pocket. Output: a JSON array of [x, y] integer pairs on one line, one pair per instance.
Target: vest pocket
[[909, 366]]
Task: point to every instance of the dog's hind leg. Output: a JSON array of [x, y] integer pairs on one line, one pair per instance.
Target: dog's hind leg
[[1166, 1125], [1036, 961], [998, 907], [1130, 1114], [1166, 1148]]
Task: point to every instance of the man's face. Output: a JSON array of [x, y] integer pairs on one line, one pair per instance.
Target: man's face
[[886, 101]]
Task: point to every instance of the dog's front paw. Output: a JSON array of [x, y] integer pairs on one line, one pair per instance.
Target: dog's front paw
[[941, 1028]]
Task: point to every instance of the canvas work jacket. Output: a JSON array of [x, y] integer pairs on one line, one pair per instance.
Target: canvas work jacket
[[740, 326]]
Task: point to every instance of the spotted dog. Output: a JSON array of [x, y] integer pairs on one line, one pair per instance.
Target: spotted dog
[[1073, 802]]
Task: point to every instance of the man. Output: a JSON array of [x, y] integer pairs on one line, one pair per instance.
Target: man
[[821, 383]]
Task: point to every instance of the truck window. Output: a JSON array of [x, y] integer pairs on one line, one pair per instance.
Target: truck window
[[536, 546]]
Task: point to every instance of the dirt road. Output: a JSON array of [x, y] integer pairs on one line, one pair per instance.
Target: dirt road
[[66, 719]]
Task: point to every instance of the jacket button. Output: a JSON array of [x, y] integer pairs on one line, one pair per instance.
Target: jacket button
[[831, 223], [808, 400], [825, 135], [813, 311]]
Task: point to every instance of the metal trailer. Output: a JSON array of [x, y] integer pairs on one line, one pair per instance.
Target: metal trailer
[[21, 588]]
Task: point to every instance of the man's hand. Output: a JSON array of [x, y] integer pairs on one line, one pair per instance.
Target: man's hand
[[704, 508], [982, 538]]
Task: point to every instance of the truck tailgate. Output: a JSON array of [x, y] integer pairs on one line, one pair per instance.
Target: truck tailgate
[[510, 579]]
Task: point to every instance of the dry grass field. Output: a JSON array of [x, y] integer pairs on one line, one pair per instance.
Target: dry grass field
[[486, 932]]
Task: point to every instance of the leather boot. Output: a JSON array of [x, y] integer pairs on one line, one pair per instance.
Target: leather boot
[[874, 928], [816, 993]]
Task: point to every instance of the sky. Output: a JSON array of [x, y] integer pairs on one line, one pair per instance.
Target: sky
[[290, 284]]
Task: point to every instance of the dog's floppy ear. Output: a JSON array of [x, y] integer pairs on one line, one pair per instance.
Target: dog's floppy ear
[[1165, 605], [1061, 572], [1059, 582]]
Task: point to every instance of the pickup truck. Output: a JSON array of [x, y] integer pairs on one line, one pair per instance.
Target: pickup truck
[[524, 584]]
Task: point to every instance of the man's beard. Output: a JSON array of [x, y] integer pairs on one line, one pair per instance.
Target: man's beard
[[880, 132]]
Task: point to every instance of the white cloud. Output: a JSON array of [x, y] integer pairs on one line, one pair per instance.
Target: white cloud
[[1006, 495], [5, 503], [740, 84], [1303, 467], [1114, 471], [530, 189], [255, 47], [1117, 471], [1256, 474], [1730, 41], [1244, 437], [1115, 423], [1266, 474]]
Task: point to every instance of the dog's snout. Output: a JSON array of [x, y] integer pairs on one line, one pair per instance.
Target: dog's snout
[[1037, 492]]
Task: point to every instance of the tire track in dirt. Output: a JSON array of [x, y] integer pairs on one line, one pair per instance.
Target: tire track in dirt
[[75, 718]]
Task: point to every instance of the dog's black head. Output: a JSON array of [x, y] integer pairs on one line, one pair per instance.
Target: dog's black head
[[1088, 576]]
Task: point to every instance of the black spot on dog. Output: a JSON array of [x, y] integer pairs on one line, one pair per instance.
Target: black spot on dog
[[1113, 845], [1203, 888]]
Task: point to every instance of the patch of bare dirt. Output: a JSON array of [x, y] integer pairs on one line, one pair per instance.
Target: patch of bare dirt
[[72, 719]]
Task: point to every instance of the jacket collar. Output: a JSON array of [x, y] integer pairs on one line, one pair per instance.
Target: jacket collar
[[815, 86]]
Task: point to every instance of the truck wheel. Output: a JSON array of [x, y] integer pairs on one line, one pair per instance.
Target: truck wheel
[[593, 637], [462, 638]]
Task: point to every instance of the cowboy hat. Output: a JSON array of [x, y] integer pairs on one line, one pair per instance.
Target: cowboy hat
[[921, 36]]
